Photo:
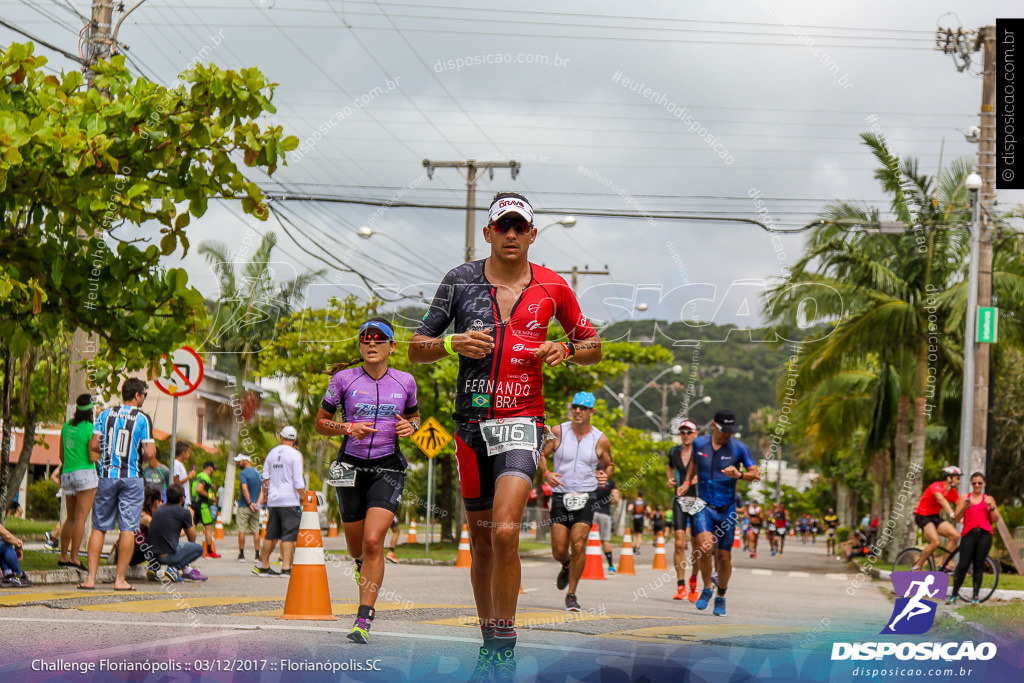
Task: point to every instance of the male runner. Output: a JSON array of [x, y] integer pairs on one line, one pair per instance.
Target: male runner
[[831, 522], [936, 498], [678, 462], [715, 462], [640, 510], [780, 525], [756, 516], [606, 495], [501, 307], [582, 458]]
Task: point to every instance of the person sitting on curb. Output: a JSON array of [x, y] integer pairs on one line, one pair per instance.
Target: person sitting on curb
[[164, 529], [10, 552]]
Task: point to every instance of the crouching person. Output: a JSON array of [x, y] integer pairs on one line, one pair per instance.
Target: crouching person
[[164, 531]]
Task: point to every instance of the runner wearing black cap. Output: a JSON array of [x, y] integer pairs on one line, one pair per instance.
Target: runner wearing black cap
[[678, 462], [716, 461], [500, 307]]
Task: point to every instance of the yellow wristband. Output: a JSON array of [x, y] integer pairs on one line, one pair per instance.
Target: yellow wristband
[[448, 344]]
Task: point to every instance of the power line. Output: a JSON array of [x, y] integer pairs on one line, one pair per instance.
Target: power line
[[40, 41]]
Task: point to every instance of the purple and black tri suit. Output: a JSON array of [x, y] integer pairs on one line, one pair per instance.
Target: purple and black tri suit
[[377, 459]]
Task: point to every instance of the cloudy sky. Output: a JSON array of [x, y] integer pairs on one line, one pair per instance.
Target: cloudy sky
[[692, 109]]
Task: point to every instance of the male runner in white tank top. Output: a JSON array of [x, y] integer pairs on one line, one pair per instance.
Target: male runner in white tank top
[[582, 462]]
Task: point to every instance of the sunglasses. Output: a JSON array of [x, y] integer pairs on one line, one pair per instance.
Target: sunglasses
[[687, 431], [373, 337], [576, 406], [503, 225]]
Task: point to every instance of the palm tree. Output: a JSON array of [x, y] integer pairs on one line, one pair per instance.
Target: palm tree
[[881, 294], [245, 319]]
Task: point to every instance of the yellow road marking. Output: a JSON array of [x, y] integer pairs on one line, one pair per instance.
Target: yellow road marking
[[350, 609], [10, 597], [696, 632], [169, 604], [543, 618]]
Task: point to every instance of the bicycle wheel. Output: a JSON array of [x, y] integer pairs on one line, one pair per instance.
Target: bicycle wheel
[[989, 581], [908, 558]]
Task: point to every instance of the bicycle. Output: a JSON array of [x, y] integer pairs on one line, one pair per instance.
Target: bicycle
[[907, 560]]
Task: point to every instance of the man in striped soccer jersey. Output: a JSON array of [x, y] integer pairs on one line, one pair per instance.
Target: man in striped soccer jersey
[[120, 437]]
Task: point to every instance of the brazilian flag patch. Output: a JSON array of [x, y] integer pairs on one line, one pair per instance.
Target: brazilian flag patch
[[481, 400]]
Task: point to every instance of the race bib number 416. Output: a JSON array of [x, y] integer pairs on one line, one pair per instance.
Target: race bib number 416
[[509, 434]]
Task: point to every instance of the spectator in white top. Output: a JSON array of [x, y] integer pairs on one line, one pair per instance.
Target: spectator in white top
[[183, 477], [283, 488]]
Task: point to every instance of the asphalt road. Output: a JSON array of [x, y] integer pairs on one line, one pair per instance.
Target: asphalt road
[[425, 628]]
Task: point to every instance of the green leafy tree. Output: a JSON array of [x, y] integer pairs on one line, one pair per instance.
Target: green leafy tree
[[79, 169]]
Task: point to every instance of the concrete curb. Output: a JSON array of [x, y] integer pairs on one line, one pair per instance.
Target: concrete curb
[[104, 574]]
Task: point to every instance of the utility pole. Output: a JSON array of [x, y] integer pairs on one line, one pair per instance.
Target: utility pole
[[958, 44], [575, 272], [471, 167], [85, 344]]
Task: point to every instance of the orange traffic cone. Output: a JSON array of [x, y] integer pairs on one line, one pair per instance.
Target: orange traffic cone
[[659, 553], [218, 529], [736, 539], [332, 530], [626, 558], [263, 525], [464, 559], [412, 532], [594, 569], [308, 596]]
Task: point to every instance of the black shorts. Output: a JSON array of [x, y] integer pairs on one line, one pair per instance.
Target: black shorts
[[375, 487], [283, 523], [680, 519], [478, 472], [568, 518], [638, 525], [924, 520]]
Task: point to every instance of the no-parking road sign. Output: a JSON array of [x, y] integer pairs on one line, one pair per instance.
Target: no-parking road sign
[[186, 373]]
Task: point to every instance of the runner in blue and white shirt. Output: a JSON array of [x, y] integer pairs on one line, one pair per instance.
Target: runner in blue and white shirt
[[716, 461], [120, 437]]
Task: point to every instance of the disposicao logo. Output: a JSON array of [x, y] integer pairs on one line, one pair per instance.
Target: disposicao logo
[[917, 594], [917, 597]]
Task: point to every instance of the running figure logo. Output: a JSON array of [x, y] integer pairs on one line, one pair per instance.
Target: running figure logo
[[916, 597]]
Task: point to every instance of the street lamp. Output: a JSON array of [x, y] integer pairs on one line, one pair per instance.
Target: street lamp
[[367, 232], [973, 183], [632, 399], [566, 222]]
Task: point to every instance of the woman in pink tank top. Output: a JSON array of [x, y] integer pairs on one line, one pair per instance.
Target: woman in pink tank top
[[979, 513]]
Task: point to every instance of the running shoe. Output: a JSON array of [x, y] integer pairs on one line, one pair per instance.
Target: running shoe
[[360, 632], [611, 569], [390, 557], [241, 557], [951, 600], [704, 599], [151, 575], [571, 603], [268, 572], [214, 554], [51, 542], [172, 574], [563, 578], [483, 673], [504, 665], [693, 595], [680, 592], [773, 552], [975, 601], [753, 556], [193, 574], [286, 572], [719, 610], [12, 581]]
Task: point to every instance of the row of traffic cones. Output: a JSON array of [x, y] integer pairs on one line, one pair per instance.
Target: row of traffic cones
[[332, 531]]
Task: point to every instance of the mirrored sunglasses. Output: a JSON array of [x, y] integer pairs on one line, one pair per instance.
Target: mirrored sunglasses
[[373, 337], [577, 406], [504, 224]]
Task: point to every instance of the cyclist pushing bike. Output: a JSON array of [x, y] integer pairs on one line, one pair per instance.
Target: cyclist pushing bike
[[940, 496]]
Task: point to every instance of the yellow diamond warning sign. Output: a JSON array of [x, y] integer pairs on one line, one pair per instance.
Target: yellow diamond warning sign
[[431, 437]]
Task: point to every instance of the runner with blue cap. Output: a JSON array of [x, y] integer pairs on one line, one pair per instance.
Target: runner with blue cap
[[582, 462]]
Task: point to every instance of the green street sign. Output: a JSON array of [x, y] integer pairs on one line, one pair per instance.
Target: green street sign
[[988, 324]]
